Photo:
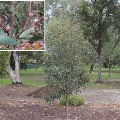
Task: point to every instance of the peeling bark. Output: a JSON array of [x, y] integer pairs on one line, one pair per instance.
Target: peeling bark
[[15, 75]]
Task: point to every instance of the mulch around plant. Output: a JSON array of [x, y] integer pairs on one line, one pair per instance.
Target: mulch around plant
[[16, 105], [39, 93]]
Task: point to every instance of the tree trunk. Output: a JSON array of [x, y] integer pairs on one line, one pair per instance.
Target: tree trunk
[[36, 66], [25, 66], [109, 71], [99, 80], [109, 67], [67, 101], [15, 75]]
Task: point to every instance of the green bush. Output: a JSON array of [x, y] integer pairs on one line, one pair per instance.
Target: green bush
[[62, 101], [81, 101], [73, 100]]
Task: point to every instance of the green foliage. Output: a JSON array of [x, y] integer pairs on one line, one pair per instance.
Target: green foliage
[[15, 14], [27, 33], [38, 56], [4, 60], [34, 55], [73, 100], [56, 8], [36, 36], [6, 40], [24, 58], [53, 93], [112, 55], [99, 19], [2, 32], [66, 56], [24, 61], [62, 101]]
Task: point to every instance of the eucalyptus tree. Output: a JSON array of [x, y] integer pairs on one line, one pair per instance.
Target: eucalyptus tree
[[57, 7], [66, 55], [97, 17], [9, 62]]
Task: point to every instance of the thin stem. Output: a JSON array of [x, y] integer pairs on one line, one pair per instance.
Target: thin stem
[[67, 100]]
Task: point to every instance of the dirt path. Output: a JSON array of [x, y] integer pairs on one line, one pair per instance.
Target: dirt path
[[102, 96], [15, 105]]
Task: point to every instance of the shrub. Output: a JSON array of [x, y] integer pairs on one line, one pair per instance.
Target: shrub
[[62, 101], [73, 100], [80, 101]]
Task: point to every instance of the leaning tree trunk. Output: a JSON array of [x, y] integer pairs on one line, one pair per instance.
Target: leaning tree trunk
[[15, 74]]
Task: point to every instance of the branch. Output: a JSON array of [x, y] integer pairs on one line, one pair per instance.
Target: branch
[[107, 4], [24, 29], [115, 44], [26, 23]]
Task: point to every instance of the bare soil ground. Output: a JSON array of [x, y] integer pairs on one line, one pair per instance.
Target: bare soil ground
[[16, 105]]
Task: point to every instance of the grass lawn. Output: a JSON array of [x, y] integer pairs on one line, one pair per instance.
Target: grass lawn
[[29, 77], [36, 78], [114, 76]]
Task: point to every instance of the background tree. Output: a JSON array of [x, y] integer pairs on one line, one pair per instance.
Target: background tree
[[23, 60], [39, 57], [8, 63], [97, 17], [4, 61], [66, 52], [56, 8], [14, 67], [111, 56]]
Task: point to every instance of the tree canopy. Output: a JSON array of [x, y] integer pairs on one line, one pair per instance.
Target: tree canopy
[[98, 18], [66, 54]]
